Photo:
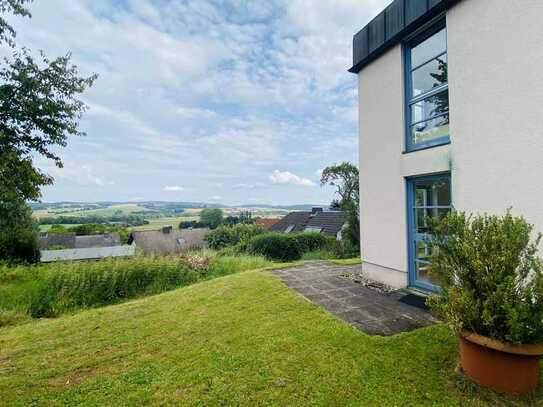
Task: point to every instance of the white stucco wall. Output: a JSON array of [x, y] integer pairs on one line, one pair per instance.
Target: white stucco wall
[[496, 106], [383, 168]]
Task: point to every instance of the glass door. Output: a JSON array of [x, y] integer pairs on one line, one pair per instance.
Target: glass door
[[427, 197]]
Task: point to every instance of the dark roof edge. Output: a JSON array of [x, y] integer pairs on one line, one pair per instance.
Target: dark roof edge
[[400, 19]]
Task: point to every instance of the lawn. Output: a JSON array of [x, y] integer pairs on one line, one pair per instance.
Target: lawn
[[243, 339]]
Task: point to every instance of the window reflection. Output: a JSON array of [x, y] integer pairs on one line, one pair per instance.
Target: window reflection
[[429, 99]]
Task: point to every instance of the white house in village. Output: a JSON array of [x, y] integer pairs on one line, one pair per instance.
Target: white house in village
[[451, 115]]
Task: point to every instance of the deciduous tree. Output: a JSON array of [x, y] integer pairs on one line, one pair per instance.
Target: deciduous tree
[[345, 178], [39, 110]]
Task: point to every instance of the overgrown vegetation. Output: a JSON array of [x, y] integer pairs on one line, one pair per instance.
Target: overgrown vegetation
[[225, 236], [490, 276], [53, 289]]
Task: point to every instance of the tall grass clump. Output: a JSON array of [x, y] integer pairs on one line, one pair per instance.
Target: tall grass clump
[[225, 265], [49, 290]]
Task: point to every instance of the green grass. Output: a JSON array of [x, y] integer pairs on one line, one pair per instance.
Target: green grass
[[347, 262], [124, 209], [159, 223], [327, 255], [244, 339], [49, 290]]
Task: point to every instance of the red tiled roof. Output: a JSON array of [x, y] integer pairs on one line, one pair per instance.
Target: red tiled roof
[[266, 223]]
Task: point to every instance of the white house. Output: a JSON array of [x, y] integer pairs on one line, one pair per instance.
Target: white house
[[451, 115]]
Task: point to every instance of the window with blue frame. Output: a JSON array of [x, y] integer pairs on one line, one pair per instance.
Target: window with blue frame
[[427, 89]]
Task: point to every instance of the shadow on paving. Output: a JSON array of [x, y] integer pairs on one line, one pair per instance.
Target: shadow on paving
[[371, 311]]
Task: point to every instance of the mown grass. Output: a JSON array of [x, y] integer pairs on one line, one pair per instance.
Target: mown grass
[[53, 289], [329, 255], [244, 339], [347, 262]]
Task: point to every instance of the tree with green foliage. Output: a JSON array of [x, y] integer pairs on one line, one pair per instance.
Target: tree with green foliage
[[244, 218], [19, 235], [39, 110], [345, 177], [211, 217]]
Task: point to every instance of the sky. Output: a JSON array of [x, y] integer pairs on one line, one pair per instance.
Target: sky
[[234, 102]]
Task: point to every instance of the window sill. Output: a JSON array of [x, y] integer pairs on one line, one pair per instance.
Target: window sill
[[426, 147]]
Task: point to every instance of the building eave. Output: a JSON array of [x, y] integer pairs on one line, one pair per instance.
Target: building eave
[[396, 22]]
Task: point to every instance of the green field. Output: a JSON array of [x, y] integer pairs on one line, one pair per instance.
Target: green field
[[244, 339], [121, 209], [158, 223], [157, 218]]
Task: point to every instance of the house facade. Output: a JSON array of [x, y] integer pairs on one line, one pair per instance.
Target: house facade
[[450, 115]]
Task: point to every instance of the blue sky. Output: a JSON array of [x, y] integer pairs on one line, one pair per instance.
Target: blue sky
[[227, 101]]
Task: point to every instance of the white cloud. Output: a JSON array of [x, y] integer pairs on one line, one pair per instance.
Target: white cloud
[[216, 198], [285, 177], [173, 188], [195, 113], [214, 92], [76, 173]]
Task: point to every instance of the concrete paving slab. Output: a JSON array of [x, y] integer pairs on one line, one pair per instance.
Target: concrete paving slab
[[371, 311]]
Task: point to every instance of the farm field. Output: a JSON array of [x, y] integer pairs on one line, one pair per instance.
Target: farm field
[[121, 209], [158, 214], [159, 223]]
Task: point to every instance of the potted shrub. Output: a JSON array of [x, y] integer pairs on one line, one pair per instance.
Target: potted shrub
[[492, 296]]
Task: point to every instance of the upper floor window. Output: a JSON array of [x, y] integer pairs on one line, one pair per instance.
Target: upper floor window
[[427, 89]]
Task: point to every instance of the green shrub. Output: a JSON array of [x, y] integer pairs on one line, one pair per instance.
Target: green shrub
[[225, 236], [490, 276], [342, 249], [19, 245], [275, 246], [310, 241]]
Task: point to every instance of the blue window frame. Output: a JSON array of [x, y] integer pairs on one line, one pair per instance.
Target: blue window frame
[[427, 197], [427, 89]]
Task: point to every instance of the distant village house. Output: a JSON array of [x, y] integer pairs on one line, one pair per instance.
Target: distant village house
[[329, 223], [167, 240]]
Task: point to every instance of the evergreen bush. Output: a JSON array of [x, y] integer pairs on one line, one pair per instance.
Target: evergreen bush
[[275, 246], [490, 276]]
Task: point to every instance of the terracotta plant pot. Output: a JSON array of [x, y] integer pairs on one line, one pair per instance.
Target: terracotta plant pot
[[500, 366]]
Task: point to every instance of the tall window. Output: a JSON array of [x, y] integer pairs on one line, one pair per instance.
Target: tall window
[[427, 89]]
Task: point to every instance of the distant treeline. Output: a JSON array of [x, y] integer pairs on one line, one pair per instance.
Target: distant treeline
[[129, 220]]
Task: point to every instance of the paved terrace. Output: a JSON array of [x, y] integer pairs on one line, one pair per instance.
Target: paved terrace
[[371, 310]]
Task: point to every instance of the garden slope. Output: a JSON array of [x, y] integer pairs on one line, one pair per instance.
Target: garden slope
[[242, 339]]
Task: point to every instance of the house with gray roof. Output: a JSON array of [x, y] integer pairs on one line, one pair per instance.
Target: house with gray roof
[[71, 241], [168, 241], [328, 223]]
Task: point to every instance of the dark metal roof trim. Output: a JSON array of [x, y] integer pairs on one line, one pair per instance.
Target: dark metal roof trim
[[398, 20]]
